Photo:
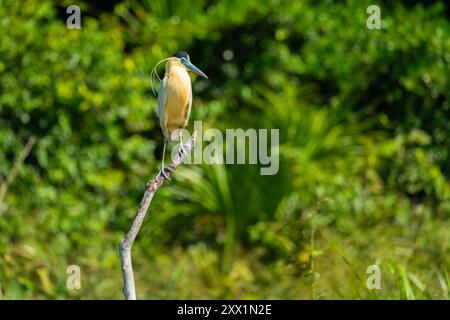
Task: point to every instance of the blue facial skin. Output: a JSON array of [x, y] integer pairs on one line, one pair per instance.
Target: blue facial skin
[[192, 67]]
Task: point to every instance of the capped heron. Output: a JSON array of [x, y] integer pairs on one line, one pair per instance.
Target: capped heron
[[175, 97]]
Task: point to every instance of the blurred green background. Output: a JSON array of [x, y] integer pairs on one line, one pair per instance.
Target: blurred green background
[[364, 119]]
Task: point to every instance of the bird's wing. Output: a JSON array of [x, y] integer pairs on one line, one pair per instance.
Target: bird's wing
[[161, 98]]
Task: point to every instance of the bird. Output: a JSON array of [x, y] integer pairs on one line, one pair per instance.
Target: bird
[[175, 97]]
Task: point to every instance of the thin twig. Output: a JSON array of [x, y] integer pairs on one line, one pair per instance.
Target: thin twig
[[127, 242], [5, 184]]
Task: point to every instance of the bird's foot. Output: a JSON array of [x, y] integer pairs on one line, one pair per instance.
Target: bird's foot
[[163, 173]]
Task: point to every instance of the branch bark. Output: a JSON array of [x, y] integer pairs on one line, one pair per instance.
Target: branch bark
[[127, 242]]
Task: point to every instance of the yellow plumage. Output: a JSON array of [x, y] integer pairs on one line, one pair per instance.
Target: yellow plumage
[[177, 98]]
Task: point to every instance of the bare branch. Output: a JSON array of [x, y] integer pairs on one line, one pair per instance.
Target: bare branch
[[5, 184], [127, 242]]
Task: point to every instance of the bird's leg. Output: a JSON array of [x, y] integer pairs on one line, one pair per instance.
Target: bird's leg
[[161, 171], [164, 153]]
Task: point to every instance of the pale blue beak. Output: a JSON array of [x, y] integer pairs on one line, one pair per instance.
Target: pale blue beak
[[193, 68]]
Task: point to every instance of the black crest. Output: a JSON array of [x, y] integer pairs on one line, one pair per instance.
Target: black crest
[[182, 54]]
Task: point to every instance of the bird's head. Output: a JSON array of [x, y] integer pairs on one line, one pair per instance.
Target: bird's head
[[185, 61]]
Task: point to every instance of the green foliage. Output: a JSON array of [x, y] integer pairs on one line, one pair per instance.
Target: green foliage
[[364, 138]]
